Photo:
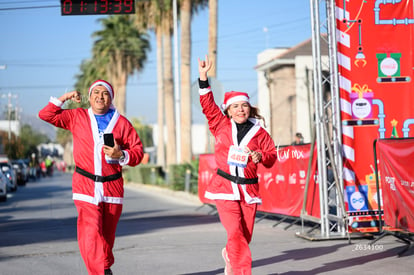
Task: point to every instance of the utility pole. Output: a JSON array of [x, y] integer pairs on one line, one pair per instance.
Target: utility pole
[[9, 110], [3, 67]]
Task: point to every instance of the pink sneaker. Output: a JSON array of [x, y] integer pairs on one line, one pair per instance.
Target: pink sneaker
[[228, 270]]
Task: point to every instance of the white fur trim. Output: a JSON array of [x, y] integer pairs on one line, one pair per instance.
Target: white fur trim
[[220, 196], [101, 83], [56, 101], [115, 200], [83, 197], [236, 99], [126, 159], [204, 91]]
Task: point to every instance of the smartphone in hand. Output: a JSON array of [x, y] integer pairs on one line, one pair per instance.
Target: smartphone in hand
[[109, 139]]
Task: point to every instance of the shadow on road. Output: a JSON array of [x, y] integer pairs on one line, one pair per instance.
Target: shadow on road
[[308, 253], [43, 211], [341, 264]]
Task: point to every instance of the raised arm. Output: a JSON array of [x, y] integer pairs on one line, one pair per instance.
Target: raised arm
[[74, 96], [55, 115], [203, 67]]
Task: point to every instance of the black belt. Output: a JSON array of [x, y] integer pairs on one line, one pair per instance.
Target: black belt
[[237, 180], [96, 177]]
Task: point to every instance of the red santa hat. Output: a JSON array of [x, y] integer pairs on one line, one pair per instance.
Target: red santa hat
[[104, 83], [232, 97]]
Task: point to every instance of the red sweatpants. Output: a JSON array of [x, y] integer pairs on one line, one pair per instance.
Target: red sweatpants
[[238, 219], [96, 234]]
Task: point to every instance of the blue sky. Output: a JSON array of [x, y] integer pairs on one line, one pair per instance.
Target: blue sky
[[43, 50]]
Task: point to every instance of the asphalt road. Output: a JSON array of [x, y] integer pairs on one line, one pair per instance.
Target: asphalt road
[[163, 232]]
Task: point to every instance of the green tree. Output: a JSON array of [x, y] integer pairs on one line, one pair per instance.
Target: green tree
[[91, 70], [30, 139], [149, 17], [187, 9], [122, 49], [144, 131], [23, 145], [157, 16], [166, 29], [119, 50]]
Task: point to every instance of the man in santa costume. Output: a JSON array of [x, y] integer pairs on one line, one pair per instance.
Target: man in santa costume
[[97, 183], [240, 145]]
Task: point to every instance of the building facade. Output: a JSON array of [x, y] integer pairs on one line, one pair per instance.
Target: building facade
[[285, 91]]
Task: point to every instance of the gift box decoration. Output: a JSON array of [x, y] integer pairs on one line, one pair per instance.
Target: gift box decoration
[[361, 102]]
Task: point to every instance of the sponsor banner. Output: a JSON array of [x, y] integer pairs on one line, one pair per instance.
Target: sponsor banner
[[282, 187], [206, 170], [397, 181], [375, 65]]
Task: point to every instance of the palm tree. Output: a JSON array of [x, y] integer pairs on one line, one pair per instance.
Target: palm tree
[[212, 36], [185, 19], [188, 7], [91, 70], [212, 55], [160, 73], [148, 16], [119, 50], [123, 50], [157, 15], [166, 27]]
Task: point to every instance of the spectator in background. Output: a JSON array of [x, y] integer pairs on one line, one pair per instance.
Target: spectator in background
[[298, 139], [34, 165], [49, 165], [43, 168], [63, 166]]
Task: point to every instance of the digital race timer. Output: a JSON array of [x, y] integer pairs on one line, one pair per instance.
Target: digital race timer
[[87, 7]]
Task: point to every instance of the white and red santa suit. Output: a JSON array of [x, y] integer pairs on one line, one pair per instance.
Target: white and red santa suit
[[99, 202], [236, 203]]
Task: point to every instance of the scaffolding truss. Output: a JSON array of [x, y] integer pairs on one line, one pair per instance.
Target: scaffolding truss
[[327, 134]]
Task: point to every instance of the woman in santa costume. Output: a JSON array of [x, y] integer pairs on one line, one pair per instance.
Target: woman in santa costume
[[240, 145], [97, 183]]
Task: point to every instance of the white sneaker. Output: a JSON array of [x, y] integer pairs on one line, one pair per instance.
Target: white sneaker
[[228, 270]]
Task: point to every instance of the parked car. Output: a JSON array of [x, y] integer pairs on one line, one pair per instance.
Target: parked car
[[3, 187], [26, 163], [8, 170], [22, 171]]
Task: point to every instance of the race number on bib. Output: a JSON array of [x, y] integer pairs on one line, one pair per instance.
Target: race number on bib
[[237, 156]]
